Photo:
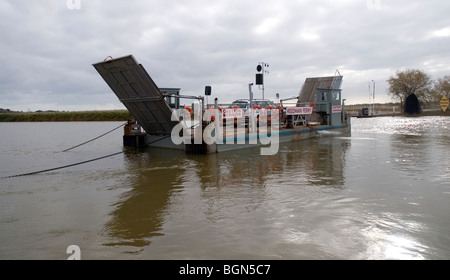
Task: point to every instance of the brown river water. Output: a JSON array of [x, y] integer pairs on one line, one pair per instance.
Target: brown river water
[[381, 193]]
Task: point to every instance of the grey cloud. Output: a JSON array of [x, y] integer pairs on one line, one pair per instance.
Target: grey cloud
[[47, 49]]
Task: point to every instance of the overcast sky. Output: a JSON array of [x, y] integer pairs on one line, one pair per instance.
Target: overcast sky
[[47, 47]]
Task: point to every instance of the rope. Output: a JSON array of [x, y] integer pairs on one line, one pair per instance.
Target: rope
[[94, 138], [61, 167], [79, 163], [87, 161]]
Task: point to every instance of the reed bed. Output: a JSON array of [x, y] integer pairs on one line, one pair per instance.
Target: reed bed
[[85, 116]]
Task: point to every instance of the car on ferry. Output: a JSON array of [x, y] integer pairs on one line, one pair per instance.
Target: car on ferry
[[258, 104]]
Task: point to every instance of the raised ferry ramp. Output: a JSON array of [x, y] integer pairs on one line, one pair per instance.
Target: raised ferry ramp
[[136, 90]]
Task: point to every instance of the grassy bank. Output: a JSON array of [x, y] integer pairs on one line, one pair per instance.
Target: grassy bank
[[437, 113], [85, 116], [378, 107], [388, 110], [124, 115]]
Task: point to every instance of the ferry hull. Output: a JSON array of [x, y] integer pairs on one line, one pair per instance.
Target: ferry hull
[[248, 141]]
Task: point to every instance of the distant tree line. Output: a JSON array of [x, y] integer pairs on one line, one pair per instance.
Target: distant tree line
[[5, 110], [429, 92], [108, 115]]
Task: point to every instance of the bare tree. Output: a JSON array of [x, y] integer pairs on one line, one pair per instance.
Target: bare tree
[[411, 81], [442, 87]]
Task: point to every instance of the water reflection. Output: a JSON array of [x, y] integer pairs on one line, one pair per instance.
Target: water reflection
[[380, 194], [140, 212], [407, 201], [425, 156], [388, 239], [409, 152], [197, 191]]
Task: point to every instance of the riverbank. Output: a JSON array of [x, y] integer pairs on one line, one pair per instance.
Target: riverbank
[[124, 115], [432, 113], [85, 116], [382, 110]]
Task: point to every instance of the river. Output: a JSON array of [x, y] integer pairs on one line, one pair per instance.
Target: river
[[382, 192]]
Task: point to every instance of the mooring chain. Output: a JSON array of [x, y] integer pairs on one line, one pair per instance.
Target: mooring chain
[[62, 167], [66, 150], [80, 163], [74, 164]]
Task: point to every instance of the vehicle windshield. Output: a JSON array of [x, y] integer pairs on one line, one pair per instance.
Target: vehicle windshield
[[265, 103], [240, 104], [244, 104]]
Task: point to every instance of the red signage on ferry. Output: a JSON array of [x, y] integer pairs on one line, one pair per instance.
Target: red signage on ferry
[[295, 111]]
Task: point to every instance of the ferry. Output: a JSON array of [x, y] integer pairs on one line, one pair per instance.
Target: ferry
[[160, 121]]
